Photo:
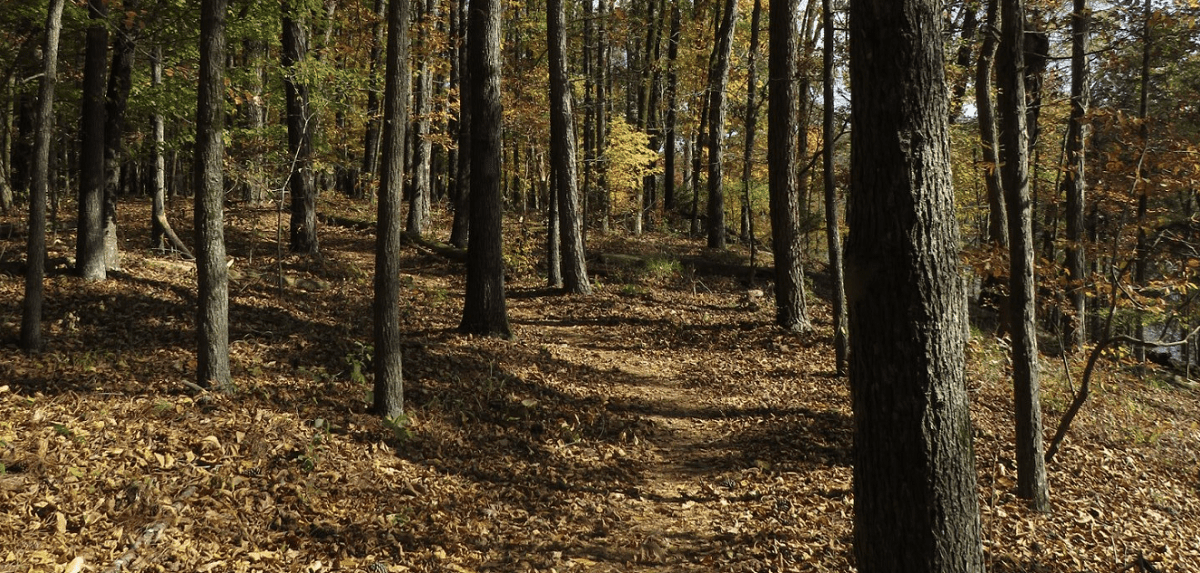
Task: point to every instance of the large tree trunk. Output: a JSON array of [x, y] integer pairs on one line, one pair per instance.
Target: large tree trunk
[[1073, 181], [833, 232], [986, 109], [212, 317], [484, 310], [915, 507], [389, 379], [116, 100], [35, 269], [1031, 468], [791, 311], [716, 127], [562, 156], [303, 223], [89, 246]]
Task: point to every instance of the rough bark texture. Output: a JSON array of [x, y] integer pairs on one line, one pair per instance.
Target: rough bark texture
[[418, 209], [389, 379], [1074, 187], [1031, 468], [35, 269], [89, 245], [791, 312], [303, 223], [484, 310], [751, 127], [212, 317], [833, 228], [986, 109], [120, 81], [562, 156], [915, 507], [716, 128]]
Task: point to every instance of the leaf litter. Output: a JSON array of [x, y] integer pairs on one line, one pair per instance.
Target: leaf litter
[[662, 424]]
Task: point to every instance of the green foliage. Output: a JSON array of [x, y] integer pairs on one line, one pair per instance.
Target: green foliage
[[400, 427], [360, 361]]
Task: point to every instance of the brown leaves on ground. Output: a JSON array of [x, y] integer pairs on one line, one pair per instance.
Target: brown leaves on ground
[[662, 424]]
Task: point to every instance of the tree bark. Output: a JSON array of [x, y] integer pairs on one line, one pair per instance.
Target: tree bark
[[562, 156], [833, 232], [716, 129], [460, 231], [389, 373], [120, 81], [791, 312], [160, 229], [303, 189], [212, 317], [915, 507], [484, 310], [418, 210], [985, 107], [1073, 181], [89, 246], [672, 104], [372, 132], [1031, 468], [35, 269]]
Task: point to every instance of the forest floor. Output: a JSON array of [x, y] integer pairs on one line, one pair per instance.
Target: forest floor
[[661, 424]]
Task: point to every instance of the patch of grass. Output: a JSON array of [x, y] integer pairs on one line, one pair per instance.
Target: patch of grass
[[662, 266]]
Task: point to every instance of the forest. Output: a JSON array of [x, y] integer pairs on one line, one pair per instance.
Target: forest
[[599, 286]]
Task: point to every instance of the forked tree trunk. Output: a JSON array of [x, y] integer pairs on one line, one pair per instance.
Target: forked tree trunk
[[1031, 467]]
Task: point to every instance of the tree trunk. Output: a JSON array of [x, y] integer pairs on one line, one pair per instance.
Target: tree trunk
[[601, 128], [89, 246], [747, 230], [460, 231], [484, 310], [997, 227], [116, 100], [833, 232], [389, 379], [963, 57], [303, 223], [212, 321], [370, 164], [418, 210], [161, 233], [562, 156], [1031, 468], [1142, 253], [716, 129], [672, 103], [35, 270], [915, 507], [1073, 181], [791, 311]]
